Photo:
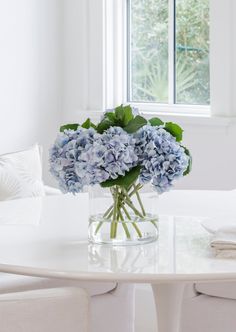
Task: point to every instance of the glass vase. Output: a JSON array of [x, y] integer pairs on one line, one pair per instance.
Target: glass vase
[[122, 217]]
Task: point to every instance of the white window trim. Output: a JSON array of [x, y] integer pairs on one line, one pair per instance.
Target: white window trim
[[222, 51], [105, 49], [222, 68], [114, 52], [171, 68]]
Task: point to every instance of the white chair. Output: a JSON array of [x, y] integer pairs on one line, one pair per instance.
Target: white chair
[[108, 301], [209, 307], [48, 310]]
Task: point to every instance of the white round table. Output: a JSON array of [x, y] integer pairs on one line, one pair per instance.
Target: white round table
[[47, 237]]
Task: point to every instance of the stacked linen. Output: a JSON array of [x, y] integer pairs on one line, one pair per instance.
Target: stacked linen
[[223, 240]]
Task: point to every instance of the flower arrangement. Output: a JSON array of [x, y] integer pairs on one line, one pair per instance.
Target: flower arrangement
[[123, 152]]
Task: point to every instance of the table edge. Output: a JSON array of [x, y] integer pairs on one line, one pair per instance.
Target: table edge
[[117, 277]]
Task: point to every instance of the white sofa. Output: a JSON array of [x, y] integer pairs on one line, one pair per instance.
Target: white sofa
[[47, 310], [111, 304], [209, 307]]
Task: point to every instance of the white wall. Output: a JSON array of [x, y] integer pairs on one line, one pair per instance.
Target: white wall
[[30, 73], [75, 60], [213, 147], [82, 58]]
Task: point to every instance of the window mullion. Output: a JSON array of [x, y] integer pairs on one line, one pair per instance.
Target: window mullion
[[171, 53]]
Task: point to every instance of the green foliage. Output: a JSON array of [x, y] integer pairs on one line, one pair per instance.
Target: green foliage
[[149, 51], [154, 85], [122, 117], [73, 126], [124, 181], [155, 122], [189, 168], [128, 115], [123, 114], [135, 124], [119, 113], [87, 124], [111, 116], [192, 50], [175, 130], [69, 126], [104, 125]]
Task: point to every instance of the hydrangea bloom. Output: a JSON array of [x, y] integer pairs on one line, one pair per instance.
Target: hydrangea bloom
[[112, 154], [162, 158], [84, 157], [64, 154]]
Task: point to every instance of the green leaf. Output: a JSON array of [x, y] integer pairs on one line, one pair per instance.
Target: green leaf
[[87, 124], [155, 122], [135, 124], [124, 181], [175, 130], [119, 113], [189, 168], [69, 126], [128, 115], [110, 116], [104, 125], [121, 117], [93, 125]]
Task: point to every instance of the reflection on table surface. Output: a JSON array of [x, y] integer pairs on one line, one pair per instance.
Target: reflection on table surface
[[56, 240]]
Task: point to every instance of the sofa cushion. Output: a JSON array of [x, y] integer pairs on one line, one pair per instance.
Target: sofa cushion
[[51, 191], [208, 314], [21, 174], [10, 283], [225, 290]]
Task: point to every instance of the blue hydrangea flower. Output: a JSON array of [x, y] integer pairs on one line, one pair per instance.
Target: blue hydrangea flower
[[84, 157], [64, 154], [112, 154], [163, 160]]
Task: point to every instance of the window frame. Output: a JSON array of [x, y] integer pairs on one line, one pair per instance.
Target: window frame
[[171, 105], [222, 62], [117, 70]]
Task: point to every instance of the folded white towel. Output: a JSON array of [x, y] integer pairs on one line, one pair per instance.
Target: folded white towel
[[213, 225], [223, 240], [225, 253]]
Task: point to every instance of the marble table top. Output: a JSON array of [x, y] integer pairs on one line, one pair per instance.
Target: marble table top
[[48, 237]]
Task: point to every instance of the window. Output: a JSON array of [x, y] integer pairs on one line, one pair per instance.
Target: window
[[168, 52]]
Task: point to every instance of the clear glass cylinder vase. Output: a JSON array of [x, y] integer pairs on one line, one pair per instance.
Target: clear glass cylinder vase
[[122, 217]]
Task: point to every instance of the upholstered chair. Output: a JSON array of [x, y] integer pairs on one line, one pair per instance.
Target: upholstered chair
[[45, 310]]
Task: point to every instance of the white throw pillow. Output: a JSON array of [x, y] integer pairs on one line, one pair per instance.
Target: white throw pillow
[[21, 174]]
